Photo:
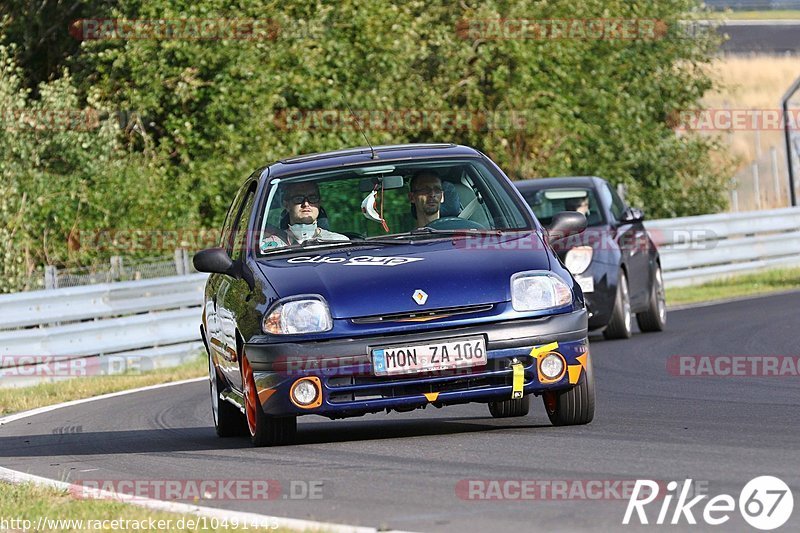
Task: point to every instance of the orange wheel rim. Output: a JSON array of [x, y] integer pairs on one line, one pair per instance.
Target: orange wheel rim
[[249, 395]]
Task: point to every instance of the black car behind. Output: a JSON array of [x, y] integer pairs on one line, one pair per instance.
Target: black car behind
[[615, 262]]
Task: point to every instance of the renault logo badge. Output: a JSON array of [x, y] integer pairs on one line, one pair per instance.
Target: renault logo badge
[[420, 296]]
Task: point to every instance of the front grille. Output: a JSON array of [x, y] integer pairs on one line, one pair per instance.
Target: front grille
[[360, 387], [423, 316], [398, 389]]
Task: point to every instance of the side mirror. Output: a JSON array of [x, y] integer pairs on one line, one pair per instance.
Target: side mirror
[[631, 215], [565, 224], [214, 261]]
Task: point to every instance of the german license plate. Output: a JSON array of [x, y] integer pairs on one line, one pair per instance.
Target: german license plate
[[429, 357], [587, 284]]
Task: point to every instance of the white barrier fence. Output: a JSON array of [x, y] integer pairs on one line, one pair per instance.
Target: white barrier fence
[[698, 249], [155, 323], [99, 329]]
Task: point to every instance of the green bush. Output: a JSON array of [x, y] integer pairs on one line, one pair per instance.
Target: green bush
[[64, 175], [207, 111]]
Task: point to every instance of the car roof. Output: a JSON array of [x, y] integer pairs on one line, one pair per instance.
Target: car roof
[[363, 154], [563, 181]]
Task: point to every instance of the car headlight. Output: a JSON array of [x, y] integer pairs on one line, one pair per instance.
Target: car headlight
[[303, 314], [538, 290], [578, 259]]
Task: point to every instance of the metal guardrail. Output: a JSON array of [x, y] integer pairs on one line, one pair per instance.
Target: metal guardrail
[[745, 5], [154, 323], [704, 248], [52, 335]]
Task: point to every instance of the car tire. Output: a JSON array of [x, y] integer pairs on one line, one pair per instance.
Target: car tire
[[573, 406], [619, 327], [510, 408], [263, 430], [228, 420], [655, 318]]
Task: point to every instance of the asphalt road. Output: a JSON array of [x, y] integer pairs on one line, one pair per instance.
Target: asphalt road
[[401, 470], [761, 36]]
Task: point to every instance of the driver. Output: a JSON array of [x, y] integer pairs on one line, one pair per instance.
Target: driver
[[302, 203], [581, 205], [426, 195]]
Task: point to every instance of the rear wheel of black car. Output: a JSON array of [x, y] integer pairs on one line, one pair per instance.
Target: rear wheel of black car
[[264, 430], [619, 327], [227, 418], [572, 406], [510, 408], [655, 318]]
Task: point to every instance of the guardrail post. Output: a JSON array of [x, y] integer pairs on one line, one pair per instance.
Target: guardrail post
[[187, 265], [756, 185], [181, 262], [50, 277], [116, 267], [773, 152]]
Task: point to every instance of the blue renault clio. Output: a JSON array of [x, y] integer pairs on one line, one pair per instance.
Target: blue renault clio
[[389, 278]]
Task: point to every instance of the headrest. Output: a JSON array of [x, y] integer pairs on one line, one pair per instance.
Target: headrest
[[594, 218]]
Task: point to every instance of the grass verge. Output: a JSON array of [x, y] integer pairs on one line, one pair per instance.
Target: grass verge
[[45, 509], [746, 285], [25, 398]]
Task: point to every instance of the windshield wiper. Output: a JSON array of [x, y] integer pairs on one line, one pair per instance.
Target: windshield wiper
[[319, 242], [425, 230]]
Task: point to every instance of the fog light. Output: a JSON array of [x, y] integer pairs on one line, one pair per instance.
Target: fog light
[[306, 392], [552, 366]]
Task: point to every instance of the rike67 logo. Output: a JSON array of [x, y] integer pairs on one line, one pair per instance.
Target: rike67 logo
[[765, 503]]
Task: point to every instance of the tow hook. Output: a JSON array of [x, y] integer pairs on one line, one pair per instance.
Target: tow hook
[[518, 379]]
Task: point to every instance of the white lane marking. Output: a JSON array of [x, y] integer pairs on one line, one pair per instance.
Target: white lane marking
[[13, 476], [48, 408], [252, 519]]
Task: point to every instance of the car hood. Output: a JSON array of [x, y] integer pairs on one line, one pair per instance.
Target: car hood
[[374, 280]]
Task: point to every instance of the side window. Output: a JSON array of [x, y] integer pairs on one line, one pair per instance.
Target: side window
[[227, 226], [240, 232], [612, 199]]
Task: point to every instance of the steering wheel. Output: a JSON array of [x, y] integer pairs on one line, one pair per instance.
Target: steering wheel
[[451, 223]]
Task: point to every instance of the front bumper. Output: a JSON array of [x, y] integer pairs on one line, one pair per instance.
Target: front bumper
[[600, 301], [350, 388]]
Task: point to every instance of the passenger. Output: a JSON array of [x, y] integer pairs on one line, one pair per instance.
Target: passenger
[[302, 204]]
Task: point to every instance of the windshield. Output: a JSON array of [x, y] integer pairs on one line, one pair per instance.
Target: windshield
[[391, 201], [547, 202]]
